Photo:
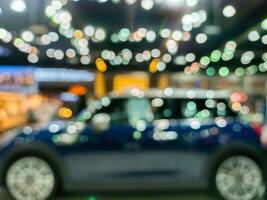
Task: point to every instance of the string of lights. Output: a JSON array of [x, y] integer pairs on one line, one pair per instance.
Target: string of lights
[[79, 39], [206, 62]]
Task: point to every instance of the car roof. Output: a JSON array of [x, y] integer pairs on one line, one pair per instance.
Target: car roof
[[172, 93]]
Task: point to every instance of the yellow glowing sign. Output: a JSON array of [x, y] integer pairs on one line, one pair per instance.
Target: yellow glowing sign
[[127, 81]]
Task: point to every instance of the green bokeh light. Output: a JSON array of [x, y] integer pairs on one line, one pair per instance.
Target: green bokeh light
[[211, 71], [240, 71], [137, 135], [215, 56], [191, 105], [227, 56], [114, 38], [124, 33], [92, 198], [264, 24], [224, 71], [253, 69], [205, 61]]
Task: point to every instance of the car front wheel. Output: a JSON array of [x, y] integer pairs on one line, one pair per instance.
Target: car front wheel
[[239, 178], [30, 178]]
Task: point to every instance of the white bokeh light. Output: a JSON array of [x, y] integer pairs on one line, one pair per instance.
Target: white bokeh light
[[229, 11], [18, 5], [147, 4]]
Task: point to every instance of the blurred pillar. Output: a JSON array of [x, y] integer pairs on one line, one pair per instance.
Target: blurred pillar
[[163, 81], [265, 102], [100, 85]]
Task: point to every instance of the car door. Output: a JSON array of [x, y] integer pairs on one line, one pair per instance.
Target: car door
[[112, 153], [170, 147]]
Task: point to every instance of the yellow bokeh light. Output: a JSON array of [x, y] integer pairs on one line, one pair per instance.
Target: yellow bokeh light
[[101, 65], [65, 113], [78, 34], [236, 106], [153, 65]]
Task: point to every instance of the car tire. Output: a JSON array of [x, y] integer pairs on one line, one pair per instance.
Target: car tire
[[238, 177], [30, 178]]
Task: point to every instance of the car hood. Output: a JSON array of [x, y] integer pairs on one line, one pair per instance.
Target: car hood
[[40, 132]]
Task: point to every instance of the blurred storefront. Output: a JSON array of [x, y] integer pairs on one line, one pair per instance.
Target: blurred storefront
[[30, 94], [18, 95]]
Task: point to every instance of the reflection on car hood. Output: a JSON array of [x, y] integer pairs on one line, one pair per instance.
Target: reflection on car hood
[[8, 136]]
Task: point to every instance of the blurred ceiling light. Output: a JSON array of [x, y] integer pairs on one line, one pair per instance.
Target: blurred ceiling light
[[177, 35], [100, 34], [151, 36], [264, 39], [54, 37], [212, 29], [146, 55], [254, 36], [89, 31], [59, 55], [130, 2], [171, 44], [101, 65], [167, 58], [174, 3], [27, 36], [18, 5], [70, 53], [85, 60], [153, 67], [247, 57], [201, 38], [187, 19], [50, 53], [165, 33], [191, 3], [102, 1], [147, 4], [229, 11], [264, 24], [32, 58], [56, 4], [155, 53], [161, 66], [180, 60], [190, 57]]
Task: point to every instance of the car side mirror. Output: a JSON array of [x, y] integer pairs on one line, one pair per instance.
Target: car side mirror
[[101, 122]]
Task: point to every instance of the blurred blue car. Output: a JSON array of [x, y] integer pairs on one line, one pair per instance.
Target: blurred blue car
[[170, 139]]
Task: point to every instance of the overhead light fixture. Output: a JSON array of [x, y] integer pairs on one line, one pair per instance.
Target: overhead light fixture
[[18, 5], [147, 4], [229, 11], [174, 4]]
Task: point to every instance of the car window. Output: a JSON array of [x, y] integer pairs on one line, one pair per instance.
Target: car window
[[139, 110], [132, 110], [171, 108], [116, 110]]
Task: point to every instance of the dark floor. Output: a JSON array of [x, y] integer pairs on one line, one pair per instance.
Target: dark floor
[[184, 196], [141, 197]]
